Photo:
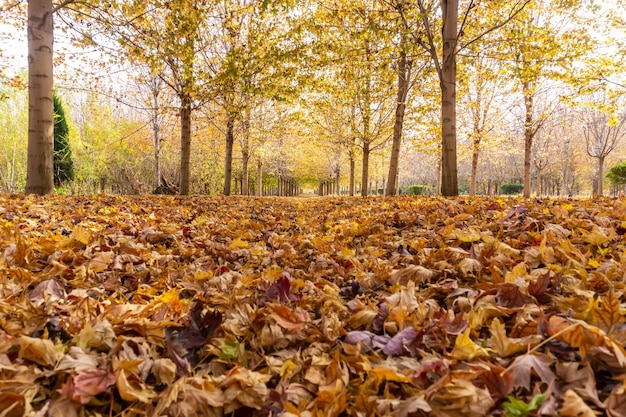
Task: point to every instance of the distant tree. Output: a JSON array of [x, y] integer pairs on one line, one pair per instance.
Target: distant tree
[[603, 133], [63, 163]]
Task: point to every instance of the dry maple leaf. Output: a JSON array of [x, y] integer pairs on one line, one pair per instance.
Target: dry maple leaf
[[40, 351], [353, 292], [460, 397], [579, 378], [523, 367], [506, 346], [574, 406], [497, 380], [509, 295], [294, 320], [466, 350], [608, 314], [87, 384]]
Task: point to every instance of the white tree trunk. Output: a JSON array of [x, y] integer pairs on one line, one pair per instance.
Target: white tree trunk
[[39, 173]]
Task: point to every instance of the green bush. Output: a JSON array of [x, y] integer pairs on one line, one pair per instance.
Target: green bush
[[511, 188], [417, 189], [63, 163]]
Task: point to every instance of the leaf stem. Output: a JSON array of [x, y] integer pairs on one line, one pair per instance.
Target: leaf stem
[[549, 339]]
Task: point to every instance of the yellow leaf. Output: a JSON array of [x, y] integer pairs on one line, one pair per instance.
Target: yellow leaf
[[466, 350], [288, 368], [506, 346], [168, 296], [595, 237], [81, 234], [468, 235], [238, 244], [387, 373], [132, 388]]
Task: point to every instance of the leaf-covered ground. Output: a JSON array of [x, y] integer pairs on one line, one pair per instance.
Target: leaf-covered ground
[[212, 306]]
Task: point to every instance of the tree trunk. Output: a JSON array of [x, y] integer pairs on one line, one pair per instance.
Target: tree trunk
[[228, 160], [259, 178], [600, 175], [39, 175], [365, 168], [475, 155], [403, 89], [529, 133], [449, 180], [185, 143], [156, 133], [245, 173], [245, 154], [352, 169], [157, 159], [338, 180]]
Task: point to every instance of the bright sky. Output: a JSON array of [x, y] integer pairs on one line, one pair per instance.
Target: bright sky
[[13, 46]]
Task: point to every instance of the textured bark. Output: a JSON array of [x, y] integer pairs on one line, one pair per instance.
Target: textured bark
[[259, 178], [449, 180], [352, 169], [529, 133], [403, 89], [600, 189], [475, 155], [40, 174], [156, 131], [245, 156], [185, 143], [245, 172], [365, 169], [228, 159]]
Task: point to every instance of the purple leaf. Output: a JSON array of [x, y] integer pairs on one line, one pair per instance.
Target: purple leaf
[[401, 342], [360, 336], [281, 291], [380, 341], [517, 210]]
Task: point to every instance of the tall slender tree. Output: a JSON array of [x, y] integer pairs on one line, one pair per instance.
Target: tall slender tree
[[542, 43]]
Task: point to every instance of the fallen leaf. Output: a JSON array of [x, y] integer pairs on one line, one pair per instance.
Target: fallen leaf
[[524, 366], [466, 350], [574, 406], [40, 351]]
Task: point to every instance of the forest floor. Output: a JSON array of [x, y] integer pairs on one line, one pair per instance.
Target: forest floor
[[232, 306]]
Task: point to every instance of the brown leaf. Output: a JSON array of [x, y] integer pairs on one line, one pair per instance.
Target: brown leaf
[[499, 382], [616, 402], [608, 313], [40, 351], [12, 404], [574, 406], [524, 366], [461, 397], [579, 378], [510, 296], [293, 320]]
